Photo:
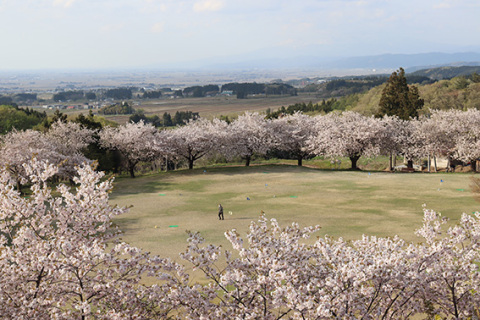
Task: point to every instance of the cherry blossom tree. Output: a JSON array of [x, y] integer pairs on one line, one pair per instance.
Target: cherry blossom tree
[[195, 140], [319, 141], [19, 147], [349, 134], [70, 136], [61, 258], [435, 135], [134, 141], [463, 127], [454, 134], [249, 134], [392, 141], [403, 137], [292, 134], [451, 266], [277, 275], [70, 139], [256, 284], [61, 145]]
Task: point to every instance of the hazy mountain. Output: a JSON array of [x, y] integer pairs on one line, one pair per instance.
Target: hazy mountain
[[474, 65], [447, 72], [284, 60], [407, 60]]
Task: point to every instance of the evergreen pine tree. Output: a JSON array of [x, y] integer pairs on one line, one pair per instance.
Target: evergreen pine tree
[[398, 99]]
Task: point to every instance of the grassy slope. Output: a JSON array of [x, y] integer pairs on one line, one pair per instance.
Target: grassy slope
[[344, 203]]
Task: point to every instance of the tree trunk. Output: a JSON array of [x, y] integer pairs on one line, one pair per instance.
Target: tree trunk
[[354, 160], [247, 163], [410, 164], [429, 161], [435, 163], [19, 186], [131, 169], [190, 164], [390, 162], [299, 160], [394, 160], [473, 164]]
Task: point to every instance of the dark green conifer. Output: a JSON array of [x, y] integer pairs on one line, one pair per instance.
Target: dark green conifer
[[399, 99]]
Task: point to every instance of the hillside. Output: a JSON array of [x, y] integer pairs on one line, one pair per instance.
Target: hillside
[[441, 73], [333, 87], [460, 92]]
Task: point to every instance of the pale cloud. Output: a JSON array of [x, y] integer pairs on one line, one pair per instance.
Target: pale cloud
[[379, 13], [189, 35], [112, 28], [208, 5], [445, 4], [158, 27], [298, 27], [63, 3], [361, 3], [151, 6]]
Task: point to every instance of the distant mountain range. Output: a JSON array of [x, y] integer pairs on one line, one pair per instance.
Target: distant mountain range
[[409, 61], [447, 72], [379, 63]]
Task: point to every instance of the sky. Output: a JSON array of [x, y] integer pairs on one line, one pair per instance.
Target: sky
[[101, 34]]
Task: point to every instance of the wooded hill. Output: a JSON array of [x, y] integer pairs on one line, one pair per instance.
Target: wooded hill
[[338, 87], [460, 92], [442, 73]]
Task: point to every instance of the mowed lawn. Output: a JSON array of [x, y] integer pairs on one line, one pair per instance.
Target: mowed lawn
[[343, 203]]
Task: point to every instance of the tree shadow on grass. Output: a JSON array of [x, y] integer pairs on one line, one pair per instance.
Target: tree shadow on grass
[[280, 168], [253, 169], [123, 188]]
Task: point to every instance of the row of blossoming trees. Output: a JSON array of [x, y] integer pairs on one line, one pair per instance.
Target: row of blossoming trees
[[61, 258], [453, 134]]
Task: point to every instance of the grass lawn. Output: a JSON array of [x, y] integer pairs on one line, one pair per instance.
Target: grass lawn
[[343, 203]]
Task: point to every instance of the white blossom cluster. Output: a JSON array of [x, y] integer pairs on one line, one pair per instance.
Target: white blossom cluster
[[61, 145], [61, 258]]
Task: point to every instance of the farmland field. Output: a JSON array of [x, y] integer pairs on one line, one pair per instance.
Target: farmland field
[[343, 203], [215, 106]]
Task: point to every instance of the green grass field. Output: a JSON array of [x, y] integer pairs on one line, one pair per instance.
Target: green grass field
[[343, 203]]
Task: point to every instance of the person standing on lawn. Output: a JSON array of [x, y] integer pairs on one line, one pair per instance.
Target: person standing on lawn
[[220, 212]]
